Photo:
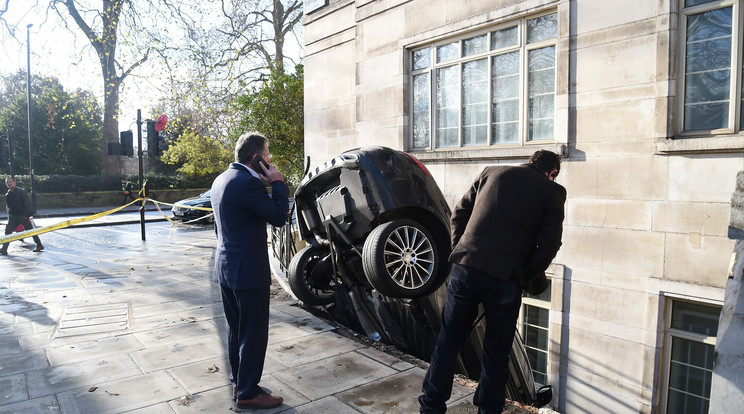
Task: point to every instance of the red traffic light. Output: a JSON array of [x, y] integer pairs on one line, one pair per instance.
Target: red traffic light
[[161, 123]]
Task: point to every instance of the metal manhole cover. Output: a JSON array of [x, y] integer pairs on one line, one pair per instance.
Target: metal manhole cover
[[95, 319]]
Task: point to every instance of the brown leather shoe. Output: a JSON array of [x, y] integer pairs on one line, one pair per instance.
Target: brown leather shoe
[[39, 248], [262, 400]]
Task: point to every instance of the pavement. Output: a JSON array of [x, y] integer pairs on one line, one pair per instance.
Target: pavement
[[103, 322]]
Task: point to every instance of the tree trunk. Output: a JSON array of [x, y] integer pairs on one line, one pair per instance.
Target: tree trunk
[[111, 163]]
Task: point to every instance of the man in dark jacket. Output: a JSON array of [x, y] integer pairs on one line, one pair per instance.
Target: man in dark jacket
[[127, 190], [19, 210], [505, 231], [242, 207]]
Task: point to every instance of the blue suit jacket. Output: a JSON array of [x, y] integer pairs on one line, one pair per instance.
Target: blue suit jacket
[[242, 207]]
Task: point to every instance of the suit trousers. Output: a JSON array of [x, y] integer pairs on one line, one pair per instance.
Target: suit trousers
[[467, 289], [13, 222], [247, 313]]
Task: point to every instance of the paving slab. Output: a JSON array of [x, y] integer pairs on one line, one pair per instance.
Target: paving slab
[[176, 354], [13, 389], [81, 351], [324, 405], [22, 362], [184, 331], [81, 374], [122, 395], [44, 405], [299, 351], [334, 374], [204, 375]]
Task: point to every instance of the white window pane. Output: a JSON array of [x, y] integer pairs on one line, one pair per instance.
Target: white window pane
[[681, 402], [693, 317], [541, 28], [448, 106], [448, 52], [447, 137], [540, 129], [708, 70], [421, 99], [504, 132], [505, 98], [506, 87], [506, 111], [475, 115], [422, 58], [541, 107], [506, 64], [541, 93], [475, 135], [504, 38], [708, 55], [709, 25], [690, 373], [475, 102], [475, 45]]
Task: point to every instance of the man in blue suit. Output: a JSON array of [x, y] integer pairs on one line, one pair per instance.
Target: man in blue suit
[[242, 207]]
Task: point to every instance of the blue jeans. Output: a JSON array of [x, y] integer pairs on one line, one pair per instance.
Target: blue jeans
[[501, 300]]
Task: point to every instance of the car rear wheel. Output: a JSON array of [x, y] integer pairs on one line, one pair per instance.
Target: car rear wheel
[[400, 259], [310, 276]]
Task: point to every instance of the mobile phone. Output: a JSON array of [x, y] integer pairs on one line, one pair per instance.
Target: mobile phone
[[257, 162]]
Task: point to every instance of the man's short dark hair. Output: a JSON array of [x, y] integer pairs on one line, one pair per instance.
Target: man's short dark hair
[[249, 144], [546, 161]]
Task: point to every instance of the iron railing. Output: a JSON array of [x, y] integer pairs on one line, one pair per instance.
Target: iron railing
[[282, 241]]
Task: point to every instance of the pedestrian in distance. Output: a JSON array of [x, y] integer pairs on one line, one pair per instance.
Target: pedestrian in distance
[[505, 231], [127, 189], [242, 207], [18, 207]]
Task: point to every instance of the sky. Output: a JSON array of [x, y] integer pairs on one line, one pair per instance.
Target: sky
[[66, 53], [56, 51]]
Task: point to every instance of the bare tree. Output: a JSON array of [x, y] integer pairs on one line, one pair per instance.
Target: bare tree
[[102, 31]]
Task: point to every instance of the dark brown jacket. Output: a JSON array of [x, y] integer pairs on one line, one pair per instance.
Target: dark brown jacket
[[511, 216]]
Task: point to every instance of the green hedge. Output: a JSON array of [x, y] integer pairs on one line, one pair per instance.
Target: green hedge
[[53, 184]]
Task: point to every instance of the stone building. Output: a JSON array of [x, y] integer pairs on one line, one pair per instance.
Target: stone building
[[644, 100]]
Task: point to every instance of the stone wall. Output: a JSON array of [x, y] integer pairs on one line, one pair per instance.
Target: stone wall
[[646, 215], [107, 198]]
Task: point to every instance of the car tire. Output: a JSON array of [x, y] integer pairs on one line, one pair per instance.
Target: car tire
[[400, 259], [310, 276]]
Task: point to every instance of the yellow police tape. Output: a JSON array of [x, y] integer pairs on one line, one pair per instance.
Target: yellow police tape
[[61, 225], [68, 223]]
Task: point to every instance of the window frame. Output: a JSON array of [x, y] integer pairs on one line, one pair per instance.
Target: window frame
[[523, 145], [542, 304], [736, 82], [669, 333]]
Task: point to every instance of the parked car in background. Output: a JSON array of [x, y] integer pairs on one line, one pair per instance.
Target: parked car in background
[[183, 210], [376, 228]]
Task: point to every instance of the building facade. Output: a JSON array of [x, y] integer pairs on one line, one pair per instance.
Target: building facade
[[644, 101]]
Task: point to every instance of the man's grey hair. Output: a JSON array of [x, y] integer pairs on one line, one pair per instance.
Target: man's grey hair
[[249, 144]]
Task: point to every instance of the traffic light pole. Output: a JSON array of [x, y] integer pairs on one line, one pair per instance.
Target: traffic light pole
[[141, 174]]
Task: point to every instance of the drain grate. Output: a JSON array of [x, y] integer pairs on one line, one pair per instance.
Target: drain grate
[[94, 319]]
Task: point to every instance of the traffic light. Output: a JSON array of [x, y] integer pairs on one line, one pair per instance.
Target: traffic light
[[126, 138], [153, 140]]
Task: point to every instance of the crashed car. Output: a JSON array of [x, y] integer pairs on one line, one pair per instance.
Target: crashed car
[[376, 228], [183, 210]]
